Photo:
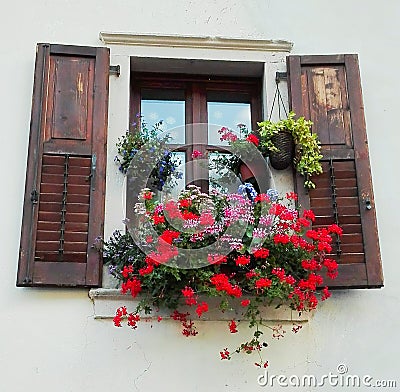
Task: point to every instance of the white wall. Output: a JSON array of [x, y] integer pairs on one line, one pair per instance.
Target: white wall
[[49, 339]]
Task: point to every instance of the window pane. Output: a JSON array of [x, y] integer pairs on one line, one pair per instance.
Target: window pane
[[220, 178], [226, 114], [178, 183], [168, 106]]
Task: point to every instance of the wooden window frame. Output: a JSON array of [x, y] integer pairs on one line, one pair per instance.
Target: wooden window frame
[[196, 89]]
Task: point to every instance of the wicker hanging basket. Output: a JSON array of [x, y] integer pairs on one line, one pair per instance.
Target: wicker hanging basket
[[282, 158]]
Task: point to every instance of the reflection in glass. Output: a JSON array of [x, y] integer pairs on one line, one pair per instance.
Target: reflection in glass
[[220, 177], [168, 106], [226, 114], [178, 184]]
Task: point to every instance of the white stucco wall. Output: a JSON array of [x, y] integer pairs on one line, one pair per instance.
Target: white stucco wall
[[49, 339]]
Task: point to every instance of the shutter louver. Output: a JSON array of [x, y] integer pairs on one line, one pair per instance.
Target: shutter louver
[[63, 218], [327, 90], [65, 184]]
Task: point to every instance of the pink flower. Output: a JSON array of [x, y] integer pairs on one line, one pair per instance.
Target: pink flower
[[196, 154]]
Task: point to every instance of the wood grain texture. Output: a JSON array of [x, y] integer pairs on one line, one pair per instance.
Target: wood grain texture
[[327, 90], [68, 128]]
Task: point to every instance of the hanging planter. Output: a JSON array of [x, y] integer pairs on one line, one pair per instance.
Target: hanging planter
[[282, 158], [306, 156]]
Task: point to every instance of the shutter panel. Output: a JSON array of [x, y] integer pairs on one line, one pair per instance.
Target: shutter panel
[[65, 181], [327, 90]]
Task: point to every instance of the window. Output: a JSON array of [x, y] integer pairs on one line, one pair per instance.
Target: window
[[65, 182], [193, 109]]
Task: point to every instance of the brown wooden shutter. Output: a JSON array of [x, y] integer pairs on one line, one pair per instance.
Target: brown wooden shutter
[[65, 181], [327, 90]]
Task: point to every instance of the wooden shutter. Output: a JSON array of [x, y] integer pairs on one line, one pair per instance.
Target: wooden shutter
[[65, 181], [327, 90]]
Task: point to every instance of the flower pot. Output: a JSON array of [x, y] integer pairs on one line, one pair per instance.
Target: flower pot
[[282, 158], [245, 172], [250, 175]]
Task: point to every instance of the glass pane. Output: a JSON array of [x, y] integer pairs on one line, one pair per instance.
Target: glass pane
[[176, 183], [168, 106], [226, 114], [220, 178]]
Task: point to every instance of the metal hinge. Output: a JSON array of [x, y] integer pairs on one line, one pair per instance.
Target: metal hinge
[[34, 196], [92, 175], [279, 76], [115, 70]]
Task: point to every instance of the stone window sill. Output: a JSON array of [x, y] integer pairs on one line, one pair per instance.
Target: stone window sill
[[106, 301]]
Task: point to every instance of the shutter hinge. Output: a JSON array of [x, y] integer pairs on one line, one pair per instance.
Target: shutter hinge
[[93, 172], [279, 76], [115, 70], [34, 196]]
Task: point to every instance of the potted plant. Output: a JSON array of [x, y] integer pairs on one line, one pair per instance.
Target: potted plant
[[143, 148], [181, 252], [303, 150]]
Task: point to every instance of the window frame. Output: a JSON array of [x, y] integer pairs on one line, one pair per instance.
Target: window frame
[[196, 89]]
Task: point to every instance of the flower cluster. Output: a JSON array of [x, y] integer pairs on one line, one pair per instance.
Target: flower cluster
[[144, 152], [255, 250], [242, 145]]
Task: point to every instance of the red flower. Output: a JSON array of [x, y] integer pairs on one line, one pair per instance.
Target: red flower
[[133, 285], [234, 291], [263, 283], [133, 319], [148, 195], [202, 308], [188, 292], [196, 154], [253, 139], [335, 229], [187, 215], [332, 266], [157, 219], [147, 270], [325, 293], [185, 203], [233, 326], [290, 280], [308, 214], [242, 260], [262, 253], [245, 302], [169, 235], [225, 354], [120, 312], [280, 273], [117, 320], [251, 274], [281, 238], [126, 271], [262, 197], [291, 195], [311, 265]]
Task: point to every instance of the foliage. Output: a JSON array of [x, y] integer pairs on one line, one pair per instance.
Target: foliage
[[139, 149], [256, 251], [307, 157]]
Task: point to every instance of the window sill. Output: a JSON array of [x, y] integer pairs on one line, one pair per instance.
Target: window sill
[[106, 301]]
